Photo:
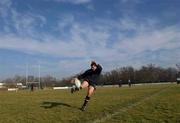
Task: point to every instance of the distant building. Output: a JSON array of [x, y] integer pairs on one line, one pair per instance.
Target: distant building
[[178, 80], [19, 84], [2, 85]]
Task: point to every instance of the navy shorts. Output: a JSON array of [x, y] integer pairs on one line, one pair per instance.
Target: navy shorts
[[93, 84]]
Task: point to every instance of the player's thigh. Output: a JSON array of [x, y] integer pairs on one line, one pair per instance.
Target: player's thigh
[[84, 84]]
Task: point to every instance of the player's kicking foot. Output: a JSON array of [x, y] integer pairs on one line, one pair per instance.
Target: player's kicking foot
[[83, 108]]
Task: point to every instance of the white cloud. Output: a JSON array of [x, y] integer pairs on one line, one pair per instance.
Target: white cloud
[[74, 1], [55, 48], [156, 40], [64, 21], [26, 24], [135, 1]]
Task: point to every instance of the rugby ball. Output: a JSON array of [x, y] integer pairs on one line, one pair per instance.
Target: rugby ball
[[77, 82]]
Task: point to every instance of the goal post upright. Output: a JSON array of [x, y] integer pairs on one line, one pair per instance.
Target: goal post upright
[[39, 76], [26, 74]]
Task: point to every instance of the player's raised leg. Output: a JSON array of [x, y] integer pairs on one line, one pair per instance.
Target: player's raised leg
[[83, 85]]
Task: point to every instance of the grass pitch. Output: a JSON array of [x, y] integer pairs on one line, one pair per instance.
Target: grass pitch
[[146, 104]]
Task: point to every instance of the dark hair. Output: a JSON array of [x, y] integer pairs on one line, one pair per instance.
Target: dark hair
[[93, 63]]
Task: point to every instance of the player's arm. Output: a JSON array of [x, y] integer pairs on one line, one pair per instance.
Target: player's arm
[[85, 74], [99, 68]]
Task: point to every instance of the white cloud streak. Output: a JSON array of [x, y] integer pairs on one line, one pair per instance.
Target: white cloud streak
[[157, 39], [74, 1], [27, 23], [56, 48]]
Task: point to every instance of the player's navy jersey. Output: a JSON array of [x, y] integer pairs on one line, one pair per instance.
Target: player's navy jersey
[[90, 75]]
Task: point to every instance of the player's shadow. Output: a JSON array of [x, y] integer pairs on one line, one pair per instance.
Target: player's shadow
[[48, 104]]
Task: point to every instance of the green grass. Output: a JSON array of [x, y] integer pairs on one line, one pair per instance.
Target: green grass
[[146, 104]]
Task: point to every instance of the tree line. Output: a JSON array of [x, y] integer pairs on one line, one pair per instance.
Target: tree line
[[146, 74]]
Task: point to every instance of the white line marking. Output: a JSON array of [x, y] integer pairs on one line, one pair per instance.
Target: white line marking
[[109, 116]]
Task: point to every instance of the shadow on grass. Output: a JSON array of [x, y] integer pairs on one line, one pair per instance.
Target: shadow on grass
[[48, 104]]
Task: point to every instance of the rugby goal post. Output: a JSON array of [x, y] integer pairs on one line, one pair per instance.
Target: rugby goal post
[[33, 79]]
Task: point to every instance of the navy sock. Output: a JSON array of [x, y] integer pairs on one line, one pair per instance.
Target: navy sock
[[86, 101]]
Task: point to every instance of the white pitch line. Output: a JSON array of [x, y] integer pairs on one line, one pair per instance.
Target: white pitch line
[[109, 116]]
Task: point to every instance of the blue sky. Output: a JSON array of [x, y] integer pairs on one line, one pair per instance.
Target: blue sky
[[63, 36]]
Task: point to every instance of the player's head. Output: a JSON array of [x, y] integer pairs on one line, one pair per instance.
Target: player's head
[[93, 65]]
